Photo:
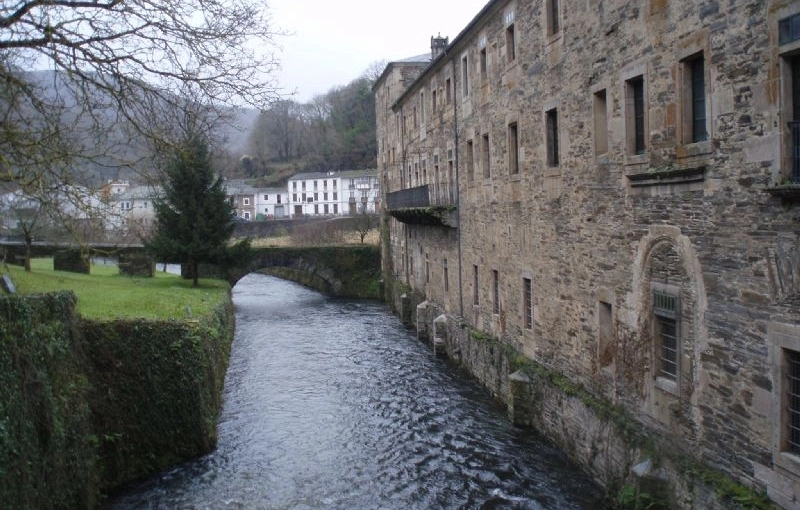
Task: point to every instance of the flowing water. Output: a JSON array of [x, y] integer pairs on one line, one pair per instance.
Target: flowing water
[[333, 404]]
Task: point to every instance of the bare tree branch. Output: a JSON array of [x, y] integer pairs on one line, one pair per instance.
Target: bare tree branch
[[119, 73]]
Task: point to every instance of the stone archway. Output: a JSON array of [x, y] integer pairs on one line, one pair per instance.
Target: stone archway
[[668, 292]]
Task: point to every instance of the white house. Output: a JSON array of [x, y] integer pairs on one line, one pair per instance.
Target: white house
[[333, 193], [271, 203], [130, 208]]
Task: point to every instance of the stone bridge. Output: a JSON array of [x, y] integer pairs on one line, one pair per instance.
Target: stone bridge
[[342, 271]]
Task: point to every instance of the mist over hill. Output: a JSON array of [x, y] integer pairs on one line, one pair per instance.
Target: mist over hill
[[107, 145]]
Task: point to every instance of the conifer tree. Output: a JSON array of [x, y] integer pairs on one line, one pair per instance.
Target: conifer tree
[[194, 220]]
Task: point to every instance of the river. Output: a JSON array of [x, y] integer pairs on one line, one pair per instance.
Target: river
[[333, 404]]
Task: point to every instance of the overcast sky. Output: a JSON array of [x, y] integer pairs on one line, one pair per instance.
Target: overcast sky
[[333, 42]]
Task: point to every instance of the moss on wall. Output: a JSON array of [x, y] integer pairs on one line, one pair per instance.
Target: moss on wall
[[341, 271], [88, 406], [47, 458]]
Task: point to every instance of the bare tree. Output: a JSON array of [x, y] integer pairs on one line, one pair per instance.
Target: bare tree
[[121, 63]]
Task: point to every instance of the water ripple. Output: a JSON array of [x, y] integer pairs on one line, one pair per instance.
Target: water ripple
[[332, 404]]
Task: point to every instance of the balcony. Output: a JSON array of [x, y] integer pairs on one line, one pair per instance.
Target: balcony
[[424, 205]]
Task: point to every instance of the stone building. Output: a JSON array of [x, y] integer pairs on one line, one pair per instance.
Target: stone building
[[611, 190]]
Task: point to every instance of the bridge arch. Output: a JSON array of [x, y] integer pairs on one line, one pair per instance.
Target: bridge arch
[[342, 271]]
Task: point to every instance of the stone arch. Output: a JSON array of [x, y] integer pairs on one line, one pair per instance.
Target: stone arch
[[667, 270]]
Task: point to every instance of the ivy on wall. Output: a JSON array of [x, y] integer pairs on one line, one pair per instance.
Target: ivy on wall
[[87, 406]]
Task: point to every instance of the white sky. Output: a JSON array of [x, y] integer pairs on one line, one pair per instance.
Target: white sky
[[333, 42]]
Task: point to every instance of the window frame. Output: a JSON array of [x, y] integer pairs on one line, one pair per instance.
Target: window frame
[[782, 339], [552, 13], [465, 76], [636, 115], [476, 301], [486, 156], [527, 303], [551, 137], [665, 312], [513, 148], [510, 39], [600, 118], [495, 292], [470, 160], [694, 125]]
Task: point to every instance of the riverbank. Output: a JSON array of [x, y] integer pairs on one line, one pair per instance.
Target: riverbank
[[637, 467], [91, 402]]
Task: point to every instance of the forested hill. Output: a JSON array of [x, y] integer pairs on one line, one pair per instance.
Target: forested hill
[[335, 131]]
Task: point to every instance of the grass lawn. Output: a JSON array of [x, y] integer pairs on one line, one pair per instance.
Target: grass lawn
[[105, 294]]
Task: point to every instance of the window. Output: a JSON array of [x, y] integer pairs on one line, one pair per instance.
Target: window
[[605, 334], [513, 149], [495, 291], [294, 185], [294, 197], [464, 76], [433, 101], [246, 215], [266, 197], [335, 208], [665, 311], [427, 269], [422, 107], [792, 401], [634, 115], [448, 96], [446, 275], [325, 208], [335, 195], [695, 100], [511, 48], [551, 128], [553, 21], [600, 111], [483, 64], [789, 29], [527, 303], [485, 157], [470, 161], [246, 201], [794, 122], [475, 292], [278, 197]]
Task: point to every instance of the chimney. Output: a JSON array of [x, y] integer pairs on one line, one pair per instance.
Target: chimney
[[438, 45]]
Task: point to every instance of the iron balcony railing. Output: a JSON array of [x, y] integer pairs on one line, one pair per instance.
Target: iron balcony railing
[[427, 195], [794, 127]]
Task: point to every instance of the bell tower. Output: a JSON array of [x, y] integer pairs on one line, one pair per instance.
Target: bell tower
[[438, 45]]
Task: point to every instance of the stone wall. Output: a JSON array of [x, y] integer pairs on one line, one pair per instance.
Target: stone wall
[[570, 239]]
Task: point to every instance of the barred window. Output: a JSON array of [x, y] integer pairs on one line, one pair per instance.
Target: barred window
[[665, 309], [793, 401], [527, 303]]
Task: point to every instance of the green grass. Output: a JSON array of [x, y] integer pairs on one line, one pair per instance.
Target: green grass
[[105, 294]]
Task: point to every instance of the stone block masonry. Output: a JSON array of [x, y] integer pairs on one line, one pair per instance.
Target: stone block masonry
[[625, 221]]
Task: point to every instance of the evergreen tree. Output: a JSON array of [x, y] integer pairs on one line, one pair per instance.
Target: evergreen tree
[[194, 220]]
